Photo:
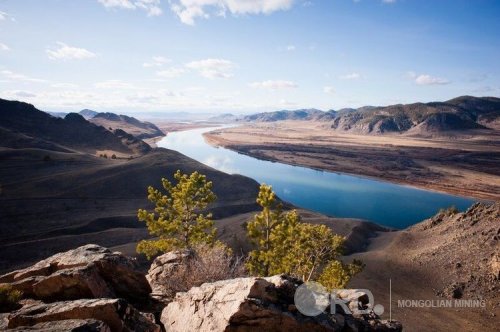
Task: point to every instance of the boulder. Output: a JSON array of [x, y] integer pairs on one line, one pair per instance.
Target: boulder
[[69, 325], [111, 314], [90, 271], [161, 268], [248, 304]]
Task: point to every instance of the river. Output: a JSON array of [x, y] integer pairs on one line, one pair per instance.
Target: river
[[333, 194]]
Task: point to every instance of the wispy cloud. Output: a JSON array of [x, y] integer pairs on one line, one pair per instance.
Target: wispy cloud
[[151, 7], [171, 72], [12, 76], [274, 84], [5, 16], [329, 89], [350, 76], [425, 79], [156, 61], [113, 84], [66, 52], [189, 10], [213, 68], [4, 47], [291, 48]]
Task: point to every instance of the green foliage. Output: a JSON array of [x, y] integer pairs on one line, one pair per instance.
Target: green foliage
[[9, 298], [284, 244], [336, 275], [449, 211], [178, 220]]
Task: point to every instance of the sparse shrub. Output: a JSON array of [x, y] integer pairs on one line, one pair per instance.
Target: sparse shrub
[[9, 298], [179, 220], [105, 156], [113, 156], [207, 264], [449, 211]]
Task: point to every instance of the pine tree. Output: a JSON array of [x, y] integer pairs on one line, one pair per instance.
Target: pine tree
[[179, 220], [285, 244]]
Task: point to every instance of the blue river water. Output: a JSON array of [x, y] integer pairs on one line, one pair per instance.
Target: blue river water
[[333, 194]]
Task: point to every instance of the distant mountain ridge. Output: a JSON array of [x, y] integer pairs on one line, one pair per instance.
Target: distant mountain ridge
[[458, 114], [301, 114], [137, 128], [23, 126]]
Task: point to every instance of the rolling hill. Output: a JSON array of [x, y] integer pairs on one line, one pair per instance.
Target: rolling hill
[[139, 129], [459, 114], [56, 194]]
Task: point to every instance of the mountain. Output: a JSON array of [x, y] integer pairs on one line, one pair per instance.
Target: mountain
[[24, 126], [224, 118], [56, 194], [459, 114], [58, 114], [301, 114], [139, 129], [88, 114]]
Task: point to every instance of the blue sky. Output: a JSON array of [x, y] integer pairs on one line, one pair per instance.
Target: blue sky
[[245, 55]]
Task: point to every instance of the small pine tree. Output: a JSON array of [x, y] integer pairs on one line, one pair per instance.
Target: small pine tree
[[284, 244], [178, 220]]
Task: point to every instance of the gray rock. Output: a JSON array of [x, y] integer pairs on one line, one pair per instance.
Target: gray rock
[[116, 314], [247, 304], [90, 271]]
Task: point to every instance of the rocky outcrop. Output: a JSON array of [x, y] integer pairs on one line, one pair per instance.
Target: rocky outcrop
[[108, 314], [161, 268], [249, 304], [68, 325], [90, 271]]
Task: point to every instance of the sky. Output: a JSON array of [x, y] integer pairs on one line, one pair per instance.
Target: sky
[[244, 56]]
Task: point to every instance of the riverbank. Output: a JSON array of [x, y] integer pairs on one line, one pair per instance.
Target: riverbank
[[463, 166]]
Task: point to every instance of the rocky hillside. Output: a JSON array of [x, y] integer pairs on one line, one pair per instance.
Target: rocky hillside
[[466, 246], [457, 114], [139, 129], [302, 114], [24, 126], [93, 289]]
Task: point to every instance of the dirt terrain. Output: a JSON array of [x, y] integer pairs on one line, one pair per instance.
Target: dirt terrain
[[456, 163], [452, 256]]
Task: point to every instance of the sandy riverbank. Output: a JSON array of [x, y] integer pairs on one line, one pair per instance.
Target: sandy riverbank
[[455, 164]]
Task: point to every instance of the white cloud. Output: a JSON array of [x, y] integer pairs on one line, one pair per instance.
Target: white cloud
[[212, 68], [329, 89], [4, 47], [171, 72], [4, 16], [113, 84], [189, 10], [156, 61], [389, 1], [20, 77], [65, 85], [65, 52], [14, 94], [430, 80], [425, 79], [151, 7], [291, 48], [273, 84], [350, 76]]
